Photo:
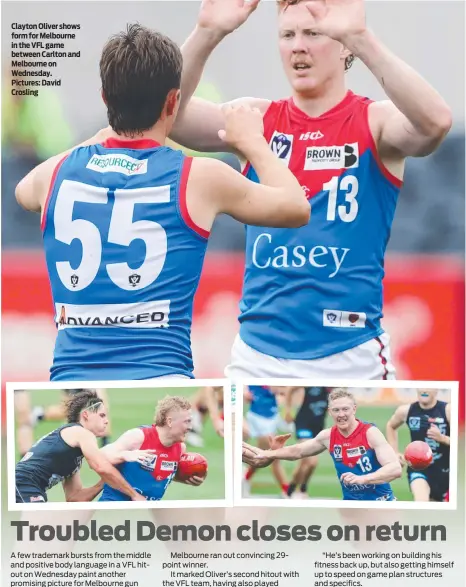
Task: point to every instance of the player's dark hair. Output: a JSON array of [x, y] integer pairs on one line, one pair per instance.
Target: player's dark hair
[[86, 399], [138, 69], [283, 5]]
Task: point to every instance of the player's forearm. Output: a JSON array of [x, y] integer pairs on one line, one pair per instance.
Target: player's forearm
[[196, 50], [287, 453], [385, 474], [274, 174], [86, 493], [211, 403], [112, 477], [392, 437], [116, 457], [410, 92]]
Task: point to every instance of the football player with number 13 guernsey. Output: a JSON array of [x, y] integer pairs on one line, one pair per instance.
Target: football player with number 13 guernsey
[[364, 461], [312, 297]]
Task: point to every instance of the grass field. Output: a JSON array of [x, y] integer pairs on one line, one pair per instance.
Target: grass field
[[130, 408], [324, 483]]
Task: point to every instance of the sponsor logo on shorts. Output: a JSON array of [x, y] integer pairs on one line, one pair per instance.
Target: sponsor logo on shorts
[[168, 466], [337, 452], [414, 423], [282, 146], [118, 163], [139, 315], [343, 319], [334, 157], [37, 498]]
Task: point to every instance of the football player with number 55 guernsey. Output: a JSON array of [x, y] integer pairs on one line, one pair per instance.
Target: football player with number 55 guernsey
[[312, 298], [126, 219], [364, 461]]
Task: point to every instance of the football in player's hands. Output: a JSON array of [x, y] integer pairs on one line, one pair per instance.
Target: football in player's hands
[[191, 465]]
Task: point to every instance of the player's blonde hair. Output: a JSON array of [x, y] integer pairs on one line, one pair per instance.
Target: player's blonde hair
[[168, 404], [339, 392], [283, 5]]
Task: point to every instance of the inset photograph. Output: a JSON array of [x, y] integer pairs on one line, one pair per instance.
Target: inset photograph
[[367, 444], [159, 446]]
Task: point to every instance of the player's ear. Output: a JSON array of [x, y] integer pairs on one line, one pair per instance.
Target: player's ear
[[103, 96], [172, 101]]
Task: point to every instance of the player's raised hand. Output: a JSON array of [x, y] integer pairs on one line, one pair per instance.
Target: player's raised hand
[[278, 441], [434, 433], [243, 126], [402, 459], [254, 456], [225, 16], [338, 19], [139, 456]]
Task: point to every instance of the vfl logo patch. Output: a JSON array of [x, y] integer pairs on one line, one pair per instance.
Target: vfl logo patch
[[414, 423], [334, 157], [120, 163], [149, 463], [337, 452], [282, 146]]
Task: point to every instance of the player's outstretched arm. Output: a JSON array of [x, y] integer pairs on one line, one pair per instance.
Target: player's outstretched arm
[[215, 187], [387, 457], [199, 121], [74, 490], [101, 465], [397, 420], [416, 118], [31, 192], [263, 458], [127, 448]]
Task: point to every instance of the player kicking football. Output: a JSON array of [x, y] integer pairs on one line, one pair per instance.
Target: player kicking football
[[126, 219], [57, 457], [428, 420], [364, 461], [152, 476], [322, 282]]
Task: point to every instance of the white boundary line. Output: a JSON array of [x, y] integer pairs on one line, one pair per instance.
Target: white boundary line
[[453, 386], [124, 505]]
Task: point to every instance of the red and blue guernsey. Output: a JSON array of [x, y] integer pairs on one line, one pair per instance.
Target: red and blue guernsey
[[124, 260], [152, 478], [317, 290], [353, 454]]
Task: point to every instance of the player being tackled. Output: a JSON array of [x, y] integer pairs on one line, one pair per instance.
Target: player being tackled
[[364, 461], [165, 439], [57, 456]]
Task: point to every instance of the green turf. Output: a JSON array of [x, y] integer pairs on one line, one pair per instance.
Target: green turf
[[130, 408], [324, 483]]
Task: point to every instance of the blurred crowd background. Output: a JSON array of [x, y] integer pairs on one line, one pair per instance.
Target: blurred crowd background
[[425, 269]]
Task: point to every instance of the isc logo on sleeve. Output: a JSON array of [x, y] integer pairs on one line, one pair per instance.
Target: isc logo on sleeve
[[334, 157], [282, 146]]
